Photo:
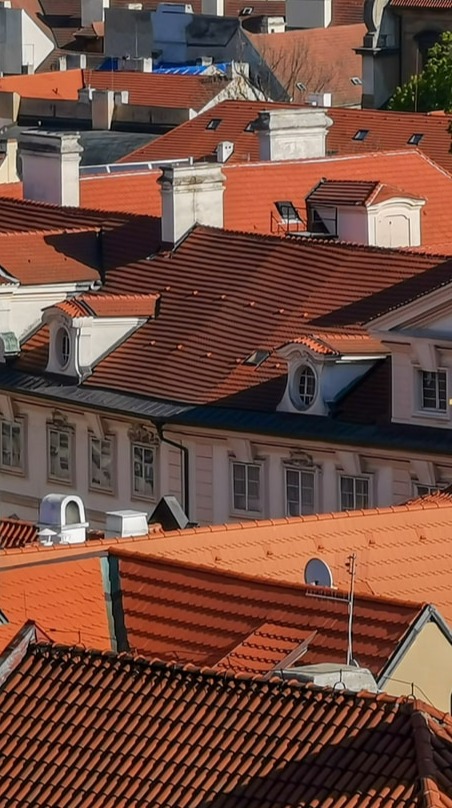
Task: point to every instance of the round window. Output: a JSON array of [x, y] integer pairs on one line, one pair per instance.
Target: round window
[[306, 386], [63, 345]]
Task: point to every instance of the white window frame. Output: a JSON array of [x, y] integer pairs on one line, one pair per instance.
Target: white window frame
[[10, 425], [294, 388], [429, 489], [145, 447], [247, 511], [69, 432], [437, 411], [300, 470], [93, 486], [356, 477]]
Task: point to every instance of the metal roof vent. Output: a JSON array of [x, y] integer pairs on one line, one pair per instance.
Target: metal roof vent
[[62, 519], [318, 573], [224, 151], [335, 675], [122, 524], [170, 515]]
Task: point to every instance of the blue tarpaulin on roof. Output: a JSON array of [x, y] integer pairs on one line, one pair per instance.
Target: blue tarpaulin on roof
[[112, 64]]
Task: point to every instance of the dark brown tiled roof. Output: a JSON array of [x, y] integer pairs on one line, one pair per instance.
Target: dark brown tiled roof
[[16, 533], [209, 617], [159, 90], [82, 728], [50, 256]]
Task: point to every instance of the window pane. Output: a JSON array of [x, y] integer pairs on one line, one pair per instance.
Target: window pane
[[143, 470], [239, 486], [253, 488], [442, 402], [307, 492], [11, 445], [362, 493], [347, 494], [101, 463], [293, 492]]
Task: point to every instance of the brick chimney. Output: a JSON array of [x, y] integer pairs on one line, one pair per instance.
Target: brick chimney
[[292, 134], [50, 167], [190, 195]]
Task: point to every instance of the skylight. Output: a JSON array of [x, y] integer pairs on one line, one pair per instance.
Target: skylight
[[415, 139], [257, 357], [356, 80], [288, 212], [214, 123], [249, 127], [361, 134]]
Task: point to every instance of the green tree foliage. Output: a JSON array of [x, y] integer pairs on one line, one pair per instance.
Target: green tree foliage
[[431, 89]]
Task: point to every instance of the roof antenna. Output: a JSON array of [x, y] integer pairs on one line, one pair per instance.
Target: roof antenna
[[351, 567]]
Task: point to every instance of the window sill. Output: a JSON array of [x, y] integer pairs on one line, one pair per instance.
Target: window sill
[[151, 498], [57, 481], [251, 515], [434, 415], [15, 472]]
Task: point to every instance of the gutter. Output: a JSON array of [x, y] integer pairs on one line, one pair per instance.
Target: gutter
[[185, 464]]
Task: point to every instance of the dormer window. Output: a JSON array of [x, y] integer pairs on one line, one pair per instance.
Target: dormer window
[[63, 346], [213, 123], [307, 384], [433, 390], [361, 134], [415, 139]]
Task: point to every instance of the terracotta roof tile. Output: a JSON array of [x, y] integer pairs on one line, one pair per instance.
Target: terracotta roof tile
[[159, 90], [440, 4], [354, 192], [58, 84], [340, 342], [135, 192], [84, 728], [105, 305], [50, 256], [321, 59], [167, 358], [13, 190], [241, 623], [389, 130], [347, 12], [16, 532]]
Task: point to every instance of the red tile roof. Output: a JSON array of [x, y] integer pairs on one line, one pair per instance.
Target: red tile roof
[[13, 190], [50, 256], [236, 622], [321, 59], [84, 728], [354, 192], [194, 139], [105, 305], [340, 342], [56, 85], [16, 533], [247, 308], [440, 4], [389, 130], [136, 192], [159, 90]]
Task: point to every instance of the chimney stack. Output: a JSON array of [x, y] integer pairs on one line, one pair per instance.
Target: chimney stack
[[190, 195], [215, 8], [50, 167], [62, 520], [292, 134], [93, 11]]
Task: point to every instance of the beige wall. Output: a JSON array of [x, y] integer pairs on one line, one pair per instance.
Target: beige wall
[[428, 665]]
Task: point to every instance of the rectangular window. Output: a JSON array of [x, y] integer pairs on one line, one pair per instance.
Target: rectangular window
[[433, 390], [142, 470], [300, 492], [246, 487], [12, 445], [421, 490], [355, 493], [101, 463], [59, 454]]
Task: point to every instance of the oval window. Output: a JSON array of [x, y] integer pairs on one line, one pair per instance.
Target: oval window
[[306, 386], [63, 345]]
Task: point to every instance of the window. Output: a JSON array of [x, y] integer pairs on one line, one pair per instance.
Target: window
[[300, 492], [288, 212], [63, 346], [101, 463], [246, 487], [354, 492], [257, 357], [12, 448], [361, 134], [356, 81], [249, 127], [59, 454], [214, 123], [433, 390], [423, 490], [142, 470], [306, 386], [415, 139]]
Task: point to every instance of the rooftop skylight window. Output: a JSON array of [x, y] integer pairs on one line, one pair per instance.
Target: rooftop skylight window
[[415, 139], [361, 134], [249, 127], [288, 212], [214, 123], [257, 358], [356, 80]]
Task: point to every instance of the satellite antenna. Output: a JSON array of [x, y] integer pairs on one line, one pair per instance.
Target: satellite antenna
[[318, 573]]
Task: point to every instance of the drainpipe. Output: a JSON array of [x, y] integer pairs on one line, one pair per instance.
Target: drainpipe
[[184, 451]]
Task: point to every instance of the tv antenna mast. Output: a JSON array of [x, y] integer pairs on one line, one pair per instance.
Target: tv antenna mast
[[351, 567]]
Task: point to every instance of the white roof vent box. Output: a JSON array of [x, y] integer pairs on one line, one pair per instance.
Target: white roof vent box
[[62, 519], [123, 524], [318, 573]]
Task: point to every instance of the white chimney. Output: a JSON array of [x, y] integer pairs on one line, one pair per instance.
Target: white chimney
[[190, 195], [136, 64], [120, 524], [50, 167], [72, 61], [292, 134], [93, 11], [214, 8], [224, 151], [102, 109], [62, 520]]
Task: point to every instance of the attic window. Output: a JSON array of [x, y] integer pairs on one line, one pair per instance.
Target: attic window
[[356, 80], [415, 139], [249, 127], [361, 134], [257, 358], [246, 11], [288, 212], [214, 123]]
